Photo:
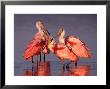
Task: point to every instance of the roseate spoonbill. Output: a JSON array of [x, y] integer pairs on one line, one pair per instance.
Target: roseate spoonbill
[[38, 44], [61, 51], [74, 44], [45, 36]]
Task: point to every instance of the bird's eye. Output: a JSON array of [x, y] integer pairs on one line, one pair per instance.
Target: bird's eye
[[52, 39]]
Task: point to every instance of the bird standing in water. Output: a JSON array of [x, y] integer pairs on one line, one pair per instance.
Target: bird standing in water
[[38, 44], [73, 44], [61, 52]]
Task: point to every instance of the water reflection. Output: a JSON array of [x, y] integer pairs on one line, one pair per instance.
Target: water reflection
[[44, 69], [38, 69], [81, 70], [27, 72]]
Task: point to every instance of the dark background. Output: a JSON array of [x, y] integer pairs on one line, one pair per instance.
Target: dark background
[[84, 26]]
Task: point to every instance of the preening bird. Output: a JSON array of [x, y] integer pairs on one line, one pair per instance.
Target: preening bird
[[38, 44], [61, 51], [74, 44]]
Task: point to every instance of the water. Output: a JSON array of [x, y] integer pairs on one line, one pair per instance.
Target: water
[[54, 68]]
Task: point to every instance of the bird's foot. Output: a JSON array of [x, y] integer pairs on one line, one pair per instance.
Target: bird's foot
[[75, 64], [63, 70], [64, 67], [67, 66]]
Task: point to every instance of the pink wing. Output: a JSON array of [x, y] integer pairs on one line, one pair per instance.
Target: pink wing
[[45, 49], [78, 47], [34, 48], [44, 42], [62, 52]]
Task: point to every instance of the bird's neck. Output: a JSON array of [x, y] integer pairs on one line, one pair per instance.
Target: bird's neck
[[51, 46], [61, 39]]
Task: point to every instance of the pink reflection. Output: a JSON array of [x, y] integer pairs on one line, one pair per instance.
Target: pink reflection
[[40, 69], [27, 72], [43, 69], [82, 70]]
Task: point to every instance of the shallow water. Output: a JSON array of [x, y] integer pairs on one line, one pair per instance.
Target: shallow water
[[54, 68]]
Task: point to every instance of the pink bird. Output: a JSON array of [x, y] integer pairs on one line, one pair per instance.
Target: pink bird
[[61, 51], [74, 44], [39, 43], [34, 47]]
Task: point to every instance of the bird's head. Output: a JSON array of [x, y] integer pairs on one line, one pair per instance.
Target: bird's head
[[39, 25], [61, 32]]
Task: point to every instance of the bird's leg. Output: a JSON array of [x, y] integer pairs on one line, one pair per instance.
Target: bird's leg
[[37, 58], [37, 66], [32, 60], [63, 68], [67, 66], [40, 57], [76, 64], [32, 66], [44, 57]]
